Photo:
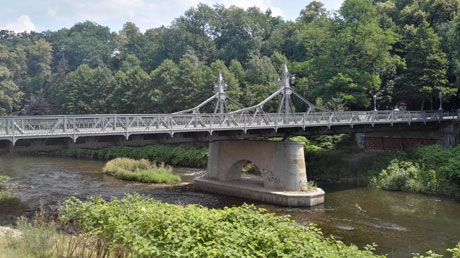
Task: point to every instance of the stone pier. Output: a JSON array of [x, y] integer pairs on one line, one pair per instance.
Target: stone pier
[[282, 166]]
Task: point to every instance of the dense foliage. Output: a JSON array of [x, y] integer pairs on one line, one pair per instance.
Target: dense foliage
[[430, 169], [180, 155], [151, 228], [140, 170], [400, 50], [6, 198], [11, 205], [426, 169]]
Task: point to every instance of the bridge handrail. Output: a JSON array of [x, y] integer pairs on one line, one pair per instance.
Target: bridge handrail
[[13, 128]]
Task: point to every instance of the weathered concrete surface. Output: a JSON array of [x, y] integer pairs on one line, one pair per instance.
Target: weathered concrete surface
[[446, 135], [253, 189], [282, 164]]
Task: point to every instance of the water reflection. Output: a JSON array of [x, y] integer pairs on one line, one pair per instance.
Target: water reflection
[[400, 223]]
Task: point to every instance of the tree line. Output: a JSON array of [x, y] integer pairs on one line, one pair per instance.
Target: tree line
[[401, 51]]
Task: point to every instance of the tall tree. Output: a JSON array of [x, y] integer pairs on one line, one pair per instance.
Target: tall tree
[[454, 53], [10, 94], [349, 54], [84, 43], [162, 88], [426, 68], [39, 57], [313, 10], [85, 91], [129, 94]]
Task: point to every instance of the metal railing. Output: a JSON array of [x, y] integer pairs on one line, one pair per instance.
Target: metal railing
[[14, 128]]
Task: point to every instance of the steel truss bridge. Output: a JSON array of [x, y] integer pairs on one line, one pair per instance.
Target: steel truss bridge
[[13, 129]]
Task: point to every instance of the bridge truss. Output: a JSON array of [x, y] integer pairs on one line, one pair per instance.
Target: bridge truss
[[191, 120]]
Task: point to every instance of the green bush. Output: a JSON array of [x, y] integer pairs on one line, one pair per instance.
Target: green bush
[[151, 228], [3, 179], [455, 251], [430, 254], [7, 199], [181, 155], [140, 170], [36, 240], [39, 239], [329, 142], [11, 206], [428, 169]]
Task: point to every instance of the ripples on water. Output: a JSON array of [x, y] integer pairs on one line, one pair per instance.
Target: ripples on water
[[400, 223]]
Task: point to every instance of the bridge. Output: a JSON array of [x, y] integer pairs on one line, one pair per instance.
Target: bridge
[[192, 121], [36, 132]]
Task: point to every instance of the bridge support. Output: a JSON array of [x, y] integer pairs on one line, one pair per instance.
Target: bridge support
[[282, 166]]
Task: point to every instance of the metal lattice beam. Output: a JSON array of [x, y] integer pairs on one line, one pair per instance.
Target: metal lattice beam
[[220, 96], [285, 106], [14, 128]]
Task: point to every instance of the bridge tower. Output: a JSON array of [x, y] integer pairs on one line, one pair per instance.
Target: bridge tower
[[282, 164], [220, 97]]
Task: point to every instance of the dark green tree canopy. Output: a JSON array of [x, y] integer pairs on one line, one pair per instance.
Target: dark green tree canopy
[[398, 50]]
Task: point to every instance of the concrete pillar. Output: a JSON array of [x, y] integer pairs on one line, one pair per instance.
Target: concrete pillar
[[282, 164], [289, 166], [10, 147]]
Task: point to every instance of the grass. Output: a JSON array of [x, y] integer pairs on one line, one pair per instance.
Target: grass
[[138, 226], [45, 240], [150, 228], [426, 169], [177, 155], [142, 170], [10, 206]]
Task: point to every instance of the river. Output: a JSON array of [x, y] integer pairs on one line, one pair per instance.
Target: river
[[400, 223]]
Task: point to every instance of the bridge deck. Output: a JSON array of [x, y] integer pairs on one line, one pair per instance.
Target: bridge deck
[[15, 128]]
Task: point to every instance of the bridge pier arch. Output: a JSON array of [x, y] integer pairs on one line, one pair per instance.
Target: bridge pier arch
[[282, 166], [6, 146]]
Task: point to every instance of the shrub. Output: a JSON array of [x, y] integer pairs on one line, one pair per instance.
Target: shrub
[[140, 170], [180, 155], [399, 175], [7, 199], [39, 239], [11, 206], [151, 228], [455, 251], [429, 169]]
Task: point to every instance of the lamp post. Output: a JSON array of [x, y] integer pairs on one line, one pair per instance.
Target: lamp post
[[375, 102], [440, 101], [293, 81]]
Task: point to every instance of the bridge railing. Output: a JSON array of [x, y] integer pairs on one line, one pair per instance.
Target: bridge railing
[[12, 128]]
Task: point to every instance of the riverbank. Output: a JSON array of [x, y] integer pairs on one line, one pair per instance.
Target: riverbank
[[329, 158], [400, 223], [176, 155], [10, 205], [139, 226], [423, 169]]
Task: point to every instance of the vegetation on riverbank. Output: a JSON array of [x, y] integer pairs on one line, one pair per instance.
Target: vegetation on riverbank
[[150, 228], [428, 169], [425, 169], [142, 170], [41, 237], [138, 226], [179, 155], [6, 198], [10, 205]]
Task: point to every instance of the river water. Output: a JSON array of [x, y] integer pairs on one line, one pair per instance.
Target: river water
[[400, 223]]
